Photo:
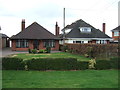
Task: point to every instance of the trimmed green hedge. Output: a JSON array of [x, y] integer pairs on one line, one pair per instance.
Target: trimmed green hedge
[[82, 65], [12, 63], [102, 64], [115, 63], [52, 64]]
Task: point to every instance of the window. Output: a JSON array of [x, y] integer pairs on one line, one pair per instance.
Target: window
[[78, 41], [101, 42], [116, 33], [22, 43], [49, 43], [67, 30], [85, 29]]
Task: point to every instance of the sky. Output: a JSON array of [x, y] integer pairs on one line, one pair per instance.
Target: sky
[[47, 12]]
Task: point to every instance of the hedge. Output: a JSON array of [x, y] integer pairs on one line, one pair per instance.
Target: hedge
[[82, 65], [56, 64], [93, 50], [9, 63], [102, 64], [115, 63], [52, 64]]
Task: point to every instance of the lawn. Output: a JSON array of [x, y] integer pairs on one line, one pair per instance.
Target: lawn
[[60, 79], [50, 55]]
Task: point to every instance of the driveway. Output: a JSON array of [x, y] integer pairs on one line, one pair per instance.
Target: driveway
[[7, 51]]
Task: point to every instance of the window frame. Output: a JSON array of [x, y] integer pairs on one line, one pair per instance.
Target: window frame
[[21, 43], [85, 29], [101, 42], [49, 43], [81, 42]]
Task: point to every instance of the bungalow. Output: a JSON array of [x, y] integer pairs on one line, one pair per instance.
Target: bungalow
[[116, 34], [82, 32], [34, 37], [4, 41]]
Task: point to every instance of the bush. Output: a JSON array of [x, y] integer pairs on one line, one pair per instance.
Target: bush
[[52, 64], [34, 51], [64, 48], [48, 49], [29, 50], [61, 64], [35, 64], [115, 63], [102, 64], [42, 51], [12, 63], [82, 65], [90, 52], [57, 64]]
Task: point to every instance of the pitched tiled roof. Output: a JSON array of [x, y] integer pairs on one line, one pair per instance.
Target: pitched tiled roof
[[117, 28], [76, 33], [3, 35], [34, 31]]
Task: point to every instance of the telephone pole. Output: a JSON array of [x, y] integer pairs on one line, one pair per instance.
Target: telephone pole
[[64, 26]]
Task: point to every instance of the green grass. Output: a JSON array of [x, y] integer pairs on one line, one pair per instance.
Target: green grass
[[60, 79], [50, 55]]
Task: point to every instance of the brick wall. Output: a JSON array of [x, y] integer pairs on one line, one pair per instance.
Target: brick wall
[[115, 37], [31, 45]]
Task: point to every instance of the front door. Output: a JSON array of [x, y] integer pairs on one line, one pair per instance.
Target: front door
[[36, 44]]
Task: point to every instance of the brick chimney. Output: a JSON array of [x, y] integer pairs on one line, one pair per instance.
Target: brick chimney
[[104, 26], [57, 28], [23, 24]]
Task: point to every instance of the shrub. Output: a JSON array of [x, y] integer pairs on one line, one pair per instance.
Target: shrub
[[29, 50], [35, 64], [92, 63], [57, 64], [90, 52], [64, 48], [42, 51], [48, 49], [61, 64], [82, 65], [102, 64], [115, 63], [52, 64], [34, 51], [12, 63]]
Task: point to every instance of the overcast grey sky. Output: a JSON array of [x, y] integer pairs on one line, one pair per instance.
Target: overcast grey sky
[[47, 12]]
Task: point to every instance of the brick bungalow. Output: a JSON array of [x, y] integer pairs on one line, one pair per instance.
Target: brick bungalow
[[116, 34], [34, 37]]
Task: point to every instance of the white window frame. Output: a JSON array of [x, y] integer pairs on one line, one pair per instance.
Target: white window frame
[[101, 42], [85, 29]]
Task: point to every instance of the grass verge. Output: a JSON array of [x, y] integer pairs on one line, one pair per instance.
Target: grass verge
[[60, 79]]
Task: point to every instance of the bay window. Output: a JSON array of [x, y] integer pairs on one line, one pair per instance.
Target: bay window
[[21, 43], [49, 43]]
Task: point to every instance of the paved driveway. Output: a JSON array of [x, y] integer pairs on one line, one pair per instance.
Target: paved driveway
[[7, 51]]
